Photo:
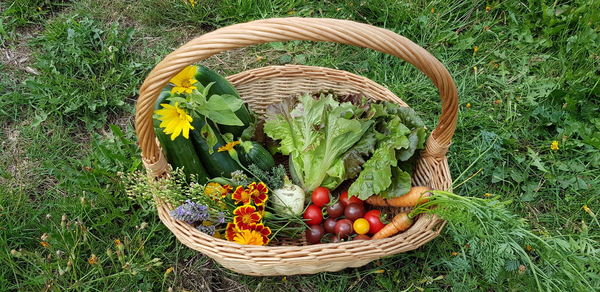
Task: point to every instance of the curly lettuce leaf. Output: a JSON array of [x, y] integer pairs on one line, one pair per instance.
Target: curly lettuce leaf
[[400, 184], [316, 134]]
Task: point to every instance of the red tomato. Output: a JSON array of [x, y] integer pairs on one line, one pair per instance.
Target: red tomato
[[314, 234], [313, 214], [320, 196], [343, 228], [374, 218], [347, 201], [361, 237]]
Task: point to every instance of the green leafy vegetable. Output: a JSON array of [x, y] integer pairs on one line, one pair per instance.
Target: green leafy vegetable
[[316, 134], [395, 142]]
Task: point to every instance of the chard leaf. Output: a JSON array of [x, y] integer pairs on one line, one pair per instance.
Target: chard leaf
[[376, 174], [400, 184]]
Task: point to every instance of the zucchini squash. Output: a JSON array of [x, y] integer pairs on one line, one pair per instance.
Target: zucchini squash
[[218, 164], [221, 86], [256, 154], [180, 152]]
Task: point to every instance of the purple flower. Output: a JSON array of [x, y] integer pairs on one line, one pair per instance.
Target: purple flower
[[190, 212], [220, 218], [210, 229]]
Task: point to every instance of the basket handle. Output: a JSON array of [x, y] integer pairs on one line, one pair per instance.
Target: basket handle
[[296, 28]]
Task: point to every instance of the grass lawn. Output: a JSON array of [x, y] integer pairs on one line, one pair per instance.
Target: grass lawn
[[528, 74]]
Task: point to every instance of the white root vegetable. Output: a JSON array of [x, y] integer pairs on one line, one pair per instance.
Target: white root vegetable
[[289, 199]]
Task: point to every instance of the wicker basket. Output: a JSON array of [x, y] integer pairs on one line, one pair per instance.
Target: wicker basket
[[263, 86]]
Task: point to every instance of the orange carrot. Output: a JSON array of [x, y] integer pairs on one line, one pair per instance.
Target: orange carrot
[[415, 195], [399, 223]]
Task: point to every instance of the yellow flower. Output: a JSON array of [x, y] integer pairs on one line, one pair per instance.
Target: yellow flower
[[184, 81], [246, 236], [175, 120], [488, 8], [93, 259], [192, 2], [229, 146], [432, 10], [468, 105], [487, 195], [475, 69], [554, 145], [587, 209], [168, 271], [475, 49], [45, 244]]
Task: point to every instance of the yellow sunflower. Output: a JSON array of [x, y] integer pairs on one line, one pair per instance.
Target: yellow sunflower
[[175, 120], [184, 81]]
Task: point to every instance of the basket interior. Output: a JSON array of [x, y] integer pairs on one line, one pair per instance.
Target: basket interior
[[264, 86]]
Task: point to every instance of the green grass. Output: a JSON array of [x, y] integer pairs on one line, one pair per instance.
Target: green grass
[[536, 82]]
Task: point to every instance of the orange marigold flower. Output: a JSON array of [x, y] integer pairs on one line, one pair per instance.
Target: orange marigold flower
[[264, 231], [241, 195], [256, 193], [217, 191], [251, 237], [230, 231], [228, 146], [246, 216]]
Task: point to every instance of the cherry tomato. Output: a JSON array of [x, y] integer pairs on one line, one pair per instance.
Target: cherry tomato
[[361, 226], [347, 201], [354, 211], [329, 225], [313, 214], [374, 218], [361, 237], [335, 210], [343, 228], [314, 233], [320, 196]]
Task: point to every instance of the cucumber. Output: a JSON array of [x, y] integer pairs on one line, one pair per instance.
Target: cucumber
[[180, 152], [258, 155], [218, 164], [221, 86]]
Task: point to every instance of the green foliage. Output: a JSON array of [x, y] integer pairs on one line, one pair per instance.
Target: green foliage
[[272, 178], [87, 71], [536, 82]]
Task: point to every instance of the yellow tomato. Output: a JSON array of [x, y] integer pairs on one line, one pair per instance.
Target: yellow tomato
[[361, 226]]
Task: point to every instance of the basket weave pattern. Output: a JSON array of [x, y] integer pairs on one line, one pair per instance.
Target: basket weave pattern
[[263, 86]]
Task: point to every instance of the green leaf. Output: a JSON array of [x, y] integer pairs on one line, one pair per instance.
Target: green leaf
[[220, 111], [376, 174], [535, 160], [400, 184], [208, 134]]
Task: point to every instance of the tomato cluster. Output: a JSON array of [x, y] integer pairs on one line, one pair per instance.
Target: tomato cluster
[[345, 217]]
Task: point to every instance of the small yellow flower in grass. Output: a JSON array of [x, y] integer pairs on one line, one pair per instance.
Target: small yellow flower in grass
[[229, 146], [488, 8], [381, 271], [192, 2], [554, 145], [587, 209], [487, 195], [454, 253], [184, 81], [175, 120], [475, 69], [45, 244], [432, 10], [168, 271], [118, 242], [93, 259], [468, 105], [475, 49]]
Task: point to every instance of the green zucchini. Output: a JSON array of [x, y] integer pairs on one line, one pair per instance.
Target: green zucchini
[[218, 164], [221, 86], [180, 152], [258, 155]]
